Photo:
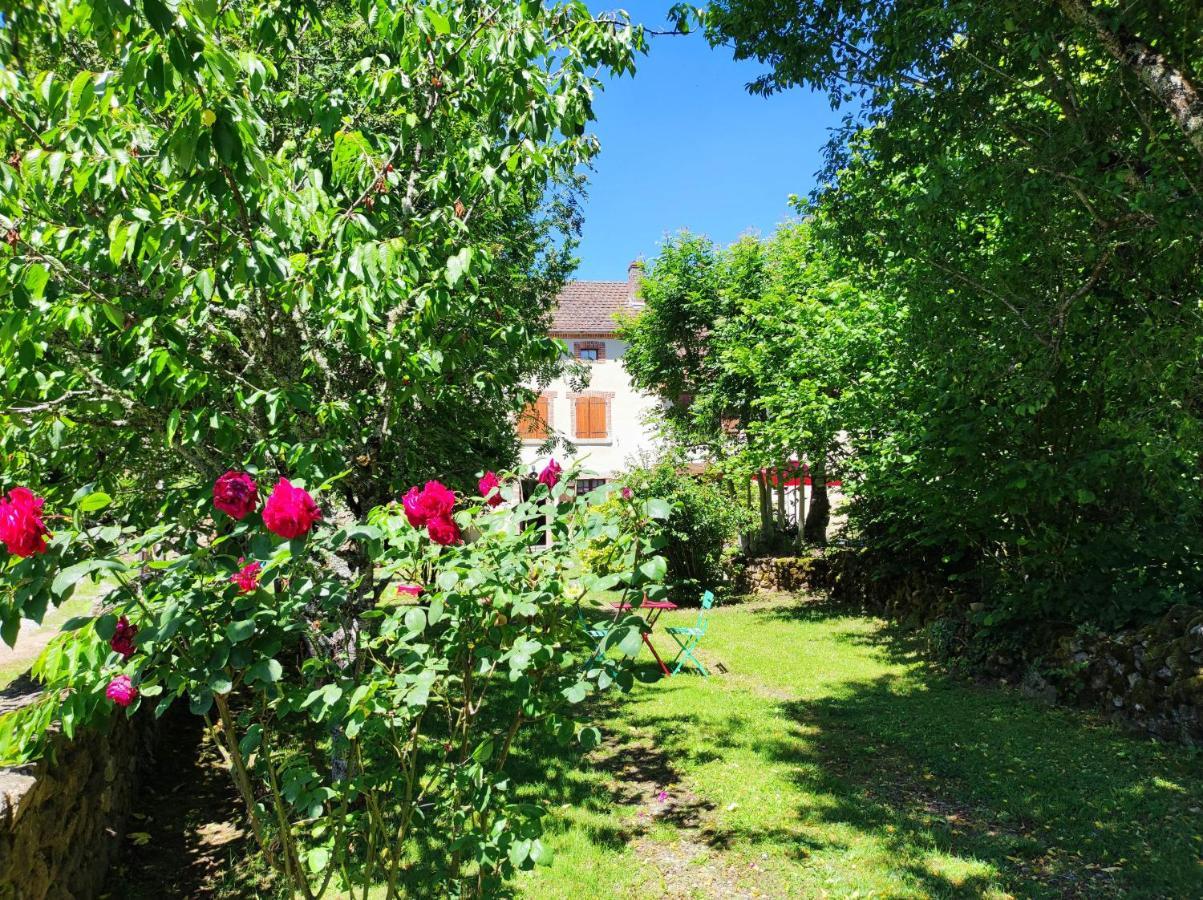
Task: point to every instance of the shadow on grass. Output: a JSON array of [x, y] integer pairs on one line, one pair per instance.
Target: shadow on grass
[[967, 789]]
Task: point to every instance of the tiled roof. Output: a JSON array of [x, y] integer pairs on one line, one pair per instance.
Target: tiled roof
[[588, 307]]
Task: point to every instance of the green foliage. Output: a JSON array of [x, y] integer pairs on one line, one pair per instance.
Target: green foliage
[[692, 520], [1024, 185], [319, 235], [368, 733]]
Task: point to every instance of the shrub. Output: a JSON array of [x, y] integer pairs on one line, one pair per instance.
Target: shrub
[[703, 519], [367, 720]]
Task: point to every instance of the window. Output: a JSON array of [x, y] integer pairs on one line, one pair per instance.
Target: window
[[589, 351], [585, 485], [591, 418], [532, 423]]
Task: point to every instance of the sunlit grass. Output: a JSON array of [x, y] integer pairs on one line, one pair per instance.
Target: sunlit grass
[[828, 759]]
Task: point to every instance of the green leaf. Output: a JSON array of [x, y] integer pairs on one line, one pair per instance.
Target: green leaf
[[69, 578], [415, 620], [318, 859], [457, 265], [240, 631], [658, 509], [654, 569], [36, 277], [220, 683], [106, 626], [484, 750], [577, 692], [266, 670], [95, 501], [440, 23]]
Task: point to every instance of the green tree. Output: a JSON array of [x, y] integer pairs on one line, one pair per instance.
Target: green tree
[[318, 236], [1025, 182]]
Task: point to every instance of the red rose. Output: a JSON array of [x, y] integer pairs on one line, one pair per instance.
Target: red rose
[[443, 531], [22, 530], [121, 691], [550, 474], [247, 578], [122, 640], [290, 512], [236, 494], [490, 488], [412, 590], [413, 510], [434, 501]]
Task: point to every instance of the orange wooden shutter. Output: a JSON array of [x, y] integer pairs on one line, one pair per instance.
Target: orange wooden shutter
[[532, 424], [591, 418]]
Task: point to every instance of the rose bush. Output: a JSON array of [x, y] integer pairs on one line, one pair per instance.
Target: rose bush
[[368, 720]]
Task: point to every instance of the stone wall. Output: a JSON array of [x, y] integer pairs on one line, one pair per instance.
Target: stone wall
[[62, 820], [1150, 677], [766, 575]]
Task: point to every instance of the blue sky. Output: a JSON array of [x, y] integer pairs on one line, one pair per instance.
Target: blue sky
[[684, 145]]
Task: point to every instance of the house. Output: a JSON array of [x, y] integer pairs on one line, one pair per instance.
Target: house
[[607, 422]]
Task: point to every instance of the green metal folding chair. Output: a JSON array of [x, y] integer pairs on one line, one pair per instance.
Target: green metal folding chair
[[688, 638], [596, 631]]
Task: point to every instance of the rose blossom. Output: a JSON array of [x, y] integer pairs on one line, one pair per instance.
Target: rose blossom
[[121, 691], [550, 474], [412, 590], [123, 638], [22, 530], [247, 578], [413, 510], [434, 501], [627, 493], [443, 530], [490, 488], [236, 494], [290, 512]]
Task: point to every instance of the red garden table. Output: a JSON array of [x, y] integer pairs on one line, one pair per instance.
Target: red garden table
[[655, 608]]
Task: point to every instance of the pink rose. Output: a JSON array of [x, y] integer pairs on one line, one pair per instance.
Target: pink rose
[[490, 488], [22, 530], [550, 474], [443, 531], [122, 640], [121, 691], [236, 494], [247, 578], [627, 493], [290, 512], [412, 590], [434, 501]]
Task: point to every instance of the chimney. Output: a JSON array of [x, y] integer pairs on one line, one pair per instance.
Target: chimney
[[634, 278]]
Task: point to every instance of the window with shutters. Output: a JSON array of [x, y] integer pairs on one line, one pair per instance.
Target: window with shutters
[[533, 422], [591, 424]]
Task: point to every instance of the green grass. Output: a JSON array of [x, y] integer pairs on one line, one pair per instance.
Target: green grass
[[828, 760]]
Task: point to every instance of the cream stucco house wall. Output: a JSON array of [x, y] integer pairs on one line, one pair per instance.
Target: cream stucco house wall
[[607, 422]]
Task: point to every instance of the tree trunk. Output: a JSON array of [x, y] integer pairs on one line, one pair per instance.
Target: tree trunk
[[1168, 84], [746, 537], [781, 517], [799, 509], [766, 508], [820, 508]]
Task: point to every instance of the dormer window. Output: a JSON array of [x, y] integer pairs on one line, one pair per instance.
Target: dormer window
[[589, 351]]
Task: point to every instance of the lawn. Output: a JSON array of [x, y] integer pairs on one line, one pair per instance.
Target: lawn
[[829, 760], [824, 758]]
